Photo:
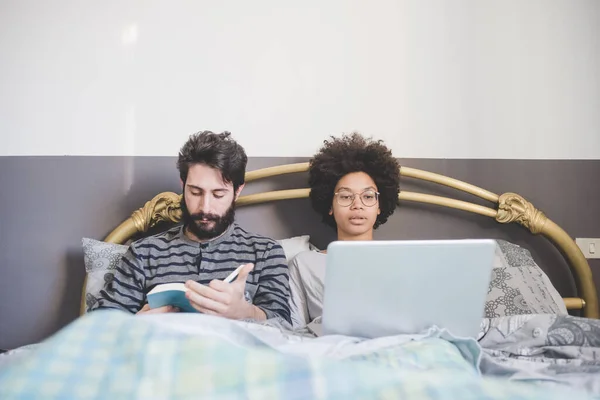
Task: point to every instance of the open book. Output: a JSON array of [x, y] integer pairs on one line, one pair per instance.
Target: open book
[[170, 294]]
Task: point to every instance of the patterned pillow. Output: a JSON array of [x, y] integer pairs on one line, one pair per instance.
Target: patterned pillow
[[519, 286], [100, 259]]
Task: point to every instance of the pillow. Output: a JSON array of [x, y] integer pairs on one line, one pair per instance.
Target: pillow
[[100, 259], [294, 245], [519, 286]]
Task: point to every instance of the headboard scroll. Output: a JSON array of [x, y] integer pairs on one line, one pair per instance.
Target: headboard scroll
[[164, 207], [509, 207], [514, 208]]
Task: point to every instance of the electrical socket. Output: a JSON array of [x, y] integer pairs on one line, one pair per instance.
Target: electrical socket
[[590, 247]]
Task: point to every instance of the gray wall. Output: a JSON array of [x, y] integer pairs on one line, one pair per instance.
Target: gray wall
[[47, 204]]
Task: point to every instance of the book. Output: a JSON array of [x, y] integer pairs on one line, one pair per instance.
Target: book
[[170, 294]]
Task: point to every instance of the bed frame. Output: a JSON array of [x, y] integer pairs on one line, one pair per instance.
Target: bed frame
[[508, 208]]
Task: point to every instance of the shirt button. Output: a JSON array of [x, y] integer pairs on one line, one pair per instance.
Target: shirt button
[[537, 332]]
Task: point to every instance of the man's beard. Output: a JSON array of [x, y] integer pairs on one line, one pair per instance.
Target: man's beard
[[200, 229]]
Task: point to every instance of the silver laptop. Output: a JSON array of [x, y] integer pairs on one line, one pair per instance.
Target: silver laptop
[[385, 288]]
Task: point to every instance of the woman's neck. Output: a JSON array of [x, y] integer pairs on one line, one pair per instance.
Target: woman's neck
[[365, 236], [343, 236]]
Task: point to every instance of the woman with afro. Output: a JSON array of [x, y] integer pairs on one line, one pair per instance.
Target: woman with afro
[[354, 184]]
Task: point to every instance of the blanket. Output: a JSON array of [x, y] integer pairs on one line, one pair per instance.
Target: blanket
[[110, 354], [561, 350]]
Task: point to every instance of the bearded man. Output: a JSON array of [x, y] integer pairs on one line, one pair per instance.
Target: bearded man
[[208, 246]]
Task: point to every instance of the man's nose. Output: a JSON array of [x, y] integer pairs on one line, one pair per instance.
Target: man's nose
[[205, 203]]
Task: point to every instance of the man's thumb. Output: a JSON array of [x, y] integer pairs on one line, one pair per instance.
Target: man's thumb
[[243, 275]]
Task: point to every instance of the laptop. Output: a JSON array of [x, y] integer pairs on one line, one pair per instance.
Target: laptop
[[385, 288]]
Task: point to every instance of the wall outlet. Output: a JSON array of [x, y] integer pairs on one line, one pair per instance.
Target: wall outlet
[[589, 247]]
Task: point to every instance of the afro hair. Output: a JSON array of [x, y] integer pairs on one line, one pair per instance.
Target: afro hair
[[353, 153]]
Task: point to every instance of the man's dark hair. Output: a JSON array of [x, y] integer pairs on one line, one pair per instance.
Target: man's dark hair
[[216, 150], [353, 153]]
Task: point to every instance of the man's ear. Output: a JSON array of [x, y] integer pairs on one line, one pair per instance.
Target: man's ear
[[239, 190], [182, 184]]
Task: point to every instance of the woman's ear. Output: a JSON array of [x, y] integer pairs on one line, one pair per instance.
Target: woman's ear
[[331, 211]]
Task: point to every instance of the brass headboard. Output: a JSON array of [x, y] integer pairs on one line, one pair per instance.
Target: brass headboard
[[508, 208]]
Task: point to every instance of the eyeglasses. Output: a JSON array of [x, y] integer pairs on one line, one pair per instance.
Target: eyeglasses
[[368, 197]]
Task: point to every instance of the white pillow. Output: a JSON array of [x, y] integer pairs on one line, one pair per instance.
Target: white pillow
[[294, 245]]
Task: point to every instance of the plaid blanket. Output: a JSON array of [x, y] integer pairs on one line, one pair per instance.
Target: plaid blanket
[[110, 354]]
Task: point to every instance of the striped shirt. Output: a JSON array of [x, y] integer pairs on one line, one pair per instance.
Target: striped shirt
[[173, 257]]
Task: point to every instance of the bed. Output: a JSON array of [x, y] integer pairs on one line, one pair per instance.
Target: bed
[[529, 355], [507, 208]]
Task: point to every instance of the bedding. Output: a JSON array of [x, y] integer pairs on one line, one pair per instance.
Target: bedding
[[527, 348], [100, 260], [564, 350], [519, 286], [558, 350], [111, 353], [294, 245]]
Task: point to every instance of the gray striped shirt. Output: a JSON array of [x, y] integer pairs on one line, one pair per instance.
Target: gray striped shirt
[[172, 257]]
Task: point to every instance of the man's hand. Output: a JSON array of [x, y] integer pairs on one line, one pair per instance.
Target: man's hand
[[160, 310], [224, 299]]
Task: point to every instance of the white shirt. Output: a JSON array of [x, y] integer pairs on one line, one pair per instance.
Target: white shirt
[[307, 281]]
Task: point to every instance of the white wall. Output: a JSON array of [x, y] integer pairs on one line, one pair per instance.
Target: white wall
[[434, 78]]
